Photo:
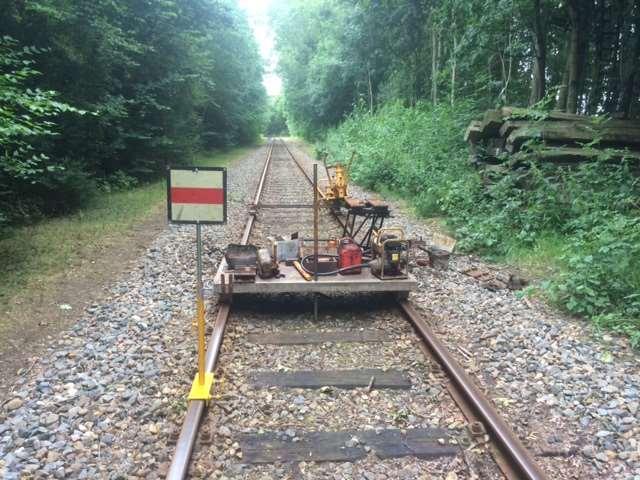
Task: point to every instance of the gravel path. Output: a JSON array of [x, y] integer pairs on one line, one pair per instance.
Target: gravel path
[[107, 399]]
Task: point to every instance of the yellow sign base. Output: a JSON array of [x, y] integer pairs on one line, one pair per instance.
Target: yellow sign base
[[201, 391]]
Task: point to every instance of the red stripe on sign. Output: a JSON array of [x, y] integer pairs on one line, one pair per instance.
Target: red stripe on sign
[[197, 195]]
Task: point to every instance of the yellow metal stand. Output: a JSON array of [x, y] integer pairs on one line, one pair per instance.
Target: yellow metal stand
[[203, 381], [201, 391]]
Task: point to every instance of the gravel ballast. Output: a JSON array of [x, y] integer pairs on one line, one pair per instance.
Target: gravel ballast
[[572, 395], [107, 398]]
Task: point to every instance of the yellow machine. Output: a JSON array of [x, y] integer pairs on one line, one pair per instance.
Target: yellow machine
[[338, 181], [390, 250]]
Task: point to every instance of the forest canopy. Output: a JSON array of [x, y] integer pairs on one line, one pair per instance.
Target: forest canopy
[[398, 82], [579, 55], [107, 92]]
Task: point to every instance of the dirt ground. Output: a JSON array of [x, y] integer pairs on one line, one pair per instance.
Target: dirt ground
[[32, 323]]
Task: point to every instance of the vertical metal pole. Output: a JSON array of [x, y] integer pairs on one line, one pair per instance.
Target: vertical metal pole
[[315, 237], [199, 259], [200, 304], [201, 347]]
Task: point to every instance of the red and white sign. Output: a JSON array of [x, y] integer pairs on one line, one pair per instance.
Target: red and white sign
[[197, 195]]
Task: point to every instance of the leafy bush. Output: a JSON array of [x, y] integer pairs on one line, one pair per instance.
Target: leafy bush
[[118, 181], [418, 153], [67, 189]]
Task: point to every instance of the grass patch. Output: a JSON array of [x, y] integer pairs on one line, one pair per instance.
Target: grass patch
[[540, 260], [577, 227], [33, 256]]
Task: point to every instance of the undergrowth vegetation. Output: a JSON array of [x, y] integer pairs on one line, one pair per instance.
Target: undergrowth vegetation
[[584, 220], [35, 256]]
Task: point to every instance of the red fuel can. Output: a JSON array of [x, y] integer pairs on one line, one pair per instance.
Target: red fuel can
[[349, 254]]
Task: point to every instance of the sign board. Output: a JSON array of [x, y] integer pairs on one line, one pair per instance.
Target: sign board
[[197, 195]]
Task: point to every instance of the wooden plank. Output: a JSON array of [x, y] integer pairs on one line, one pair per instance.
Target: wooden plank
[[393, 379], [586, 124], [310, 337], [525, 113], [510, 125], [473, 132], [568, 154], [491, 123], [571, 133], [517, 113], [342, 447]]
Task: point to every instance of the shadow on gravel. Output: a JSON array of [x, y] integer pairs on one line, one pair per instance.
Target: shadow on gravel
[[292, 304]]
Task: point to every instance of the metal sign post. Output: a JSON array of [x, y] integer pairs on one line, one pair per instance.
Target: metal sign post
[[200, 306], [198, 195], [315, 238]]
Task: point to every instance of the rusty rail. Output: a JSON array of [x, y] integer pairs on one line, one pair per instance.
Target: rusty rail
[[304, 172], [504, 437], [256, 199], [508, 444], [310, 180], [195, 411]]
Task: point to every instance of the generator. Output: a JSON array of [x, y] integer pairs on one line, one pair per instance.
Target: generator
[[390, 252]]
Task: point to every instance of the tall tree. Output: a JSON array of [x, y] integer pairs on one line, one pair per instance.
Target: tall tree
[[162, 80], [538, 33]]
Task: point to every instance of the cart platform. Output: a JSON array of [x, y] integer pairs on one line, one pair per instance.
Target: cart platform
[[292, 282]]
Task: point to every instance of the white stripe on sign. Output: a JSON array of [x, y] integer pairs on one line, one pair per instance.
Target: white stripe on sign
[[200, 212], [199, 179]]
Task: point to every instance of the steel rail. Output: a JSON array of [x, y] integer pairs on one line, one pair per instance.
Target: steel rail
[[295, 160], [502, 434], [310, 180], [195, 411], [507, 441], [256, 199]]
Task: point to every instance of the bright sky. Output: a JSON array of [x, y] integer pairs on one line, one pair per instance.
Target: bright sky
[[258, 13]]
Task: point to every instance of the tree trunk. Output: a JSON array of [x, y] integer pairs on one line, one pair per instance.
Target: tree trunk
[[561, 104], [632, 67], [573, 57], [597, 74], [615, 77], [506, 72], [434, 65], [538, 82], [370, 90], [453, 69]]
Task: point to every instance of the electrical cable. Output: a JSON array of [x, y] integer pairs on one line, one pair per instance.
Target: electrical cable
[[333, 272]]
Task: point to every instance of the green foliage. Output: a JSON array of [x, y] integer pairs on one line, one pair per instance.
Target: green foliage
[[163, 79], [276, 124], [26, 116], [35, 256], [418, 154], [315, 63], [407, 150]]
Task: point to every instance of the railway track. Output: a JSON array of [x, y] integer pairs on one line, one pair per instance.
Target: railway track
[[368, 391]]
